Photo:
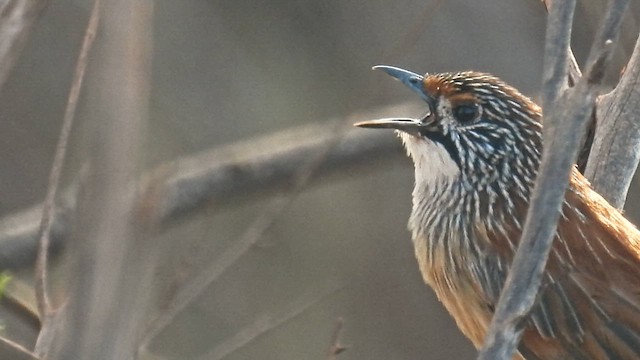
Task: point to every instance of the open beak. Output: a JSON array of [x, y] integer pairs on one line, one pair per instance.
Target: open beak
[[411, 126]]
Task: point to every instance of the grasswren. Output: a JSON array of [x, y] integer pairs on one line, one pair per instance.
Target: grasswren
[[476, 154]]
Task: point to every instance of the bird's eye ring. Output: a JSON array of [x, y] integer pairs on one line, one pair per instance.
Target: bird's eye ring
[[467, 113]]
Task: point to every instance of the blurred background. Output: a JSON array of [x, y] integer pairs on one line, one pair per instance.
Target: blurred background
[[225, 71]]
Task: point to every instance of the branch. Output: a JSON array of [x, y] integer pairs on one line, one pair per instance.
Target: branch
[[566, 118], [17, 351], [556, 51], [17, 18], [44, 232], [110, 260], [573, 75], [191, 288], [616, 147], [265, 323], [573, 70], [225, 176]]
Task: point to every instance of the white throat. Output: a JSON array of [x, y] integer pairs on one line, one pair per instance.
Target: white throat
[[433, 163]]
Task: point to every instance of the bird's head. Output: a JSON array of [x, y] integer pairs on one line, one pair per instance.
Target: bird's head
[[477, 129]]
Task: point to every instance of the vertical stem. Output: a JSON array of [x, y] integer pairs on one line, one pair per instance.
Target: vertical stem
[[109, 269], [44, 233]]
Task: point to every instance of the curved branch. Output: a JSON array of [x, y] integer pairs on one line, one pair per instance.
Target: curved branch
[[224, 176]]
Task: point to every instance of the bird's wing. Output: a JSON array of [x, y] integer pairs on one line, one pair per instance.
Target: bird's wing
[[589, 306]]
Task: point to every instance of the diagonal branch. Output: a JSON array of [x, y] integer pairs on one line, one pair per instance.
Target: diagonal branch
[[225, 176], [268, 322], [194, 286], [566, 118], [18, 352]]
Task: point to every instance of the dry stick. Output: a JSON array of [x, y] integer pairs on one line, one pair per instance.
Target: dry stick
[[565, 122], [573, 70], [201, 281], [573, 75], [108, 264], [42, 298], [336, 347], [265, 323], [227, 176], [17, 18], [48, 315], [616, 147], [557, 46], [20, 351]]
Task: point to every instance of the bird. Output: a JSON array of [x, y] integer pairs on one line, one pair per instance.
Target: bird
[[476, 154]]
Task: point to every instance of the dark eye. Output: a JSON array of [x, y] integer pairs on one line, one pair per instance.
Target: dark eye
[[466, 113]]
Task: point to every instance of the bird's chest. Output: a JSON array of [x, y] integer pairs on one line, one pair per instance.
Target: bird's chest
[[462, 268], [456, 287], [451, 239]]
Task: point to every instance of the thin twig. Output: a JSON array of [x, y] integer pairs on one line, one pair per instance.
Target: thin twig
[[49, 317], [17, 19], [268, 322], [566, 118], [20, 351], [336, 347], [188, 292], [44, 232]]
